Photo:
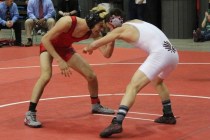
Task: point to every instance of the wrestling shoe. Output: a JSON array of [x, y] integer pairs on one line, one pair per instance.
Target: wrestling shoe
[[99, 109], [114, 128], [166, 120], [31, 121]]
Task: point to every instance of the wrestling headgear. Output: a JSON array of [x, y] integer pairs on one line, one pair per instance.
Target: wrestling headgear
[[93, 18], [116, 21], [115, 17]]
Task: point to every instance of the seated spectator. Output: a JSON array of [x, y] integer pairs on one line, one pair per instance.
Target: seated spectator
[[67, 8], [41, 15], [9, 19], [204, 34]]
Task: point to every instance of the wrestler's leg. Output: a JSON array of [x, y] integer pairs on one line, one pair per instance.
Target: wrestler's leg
[[138, 81], [162, 90], [80, 65], [46, 73]]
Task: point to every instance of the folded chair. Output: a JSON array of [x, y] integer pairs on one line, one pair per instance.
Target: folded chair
[[5, 40]]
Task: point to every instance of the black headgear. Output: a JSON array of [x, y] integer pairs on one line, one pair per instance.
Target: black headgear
[[93, 18]]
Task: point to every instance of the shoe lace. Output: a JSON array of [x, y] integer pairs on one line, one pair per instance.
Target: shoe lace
[[104, 108], [113, 126], [162, 118], [100, 106], [166, 118], [33, 116]]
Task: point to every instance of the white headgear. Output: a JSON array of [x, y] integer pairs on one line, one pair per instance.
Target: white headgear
[[116, 21]]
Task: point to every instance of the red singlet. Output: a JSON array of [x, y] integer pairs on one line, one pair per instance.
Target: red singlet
[[63, 43]]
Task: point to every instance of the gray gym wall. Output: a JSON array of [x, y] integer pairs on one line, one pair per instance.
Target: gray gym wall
[[178, 17]]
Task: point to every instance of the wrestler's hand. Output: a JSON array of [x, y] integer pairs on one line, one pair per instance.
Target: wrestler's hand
[[87, 50], [65, 69]]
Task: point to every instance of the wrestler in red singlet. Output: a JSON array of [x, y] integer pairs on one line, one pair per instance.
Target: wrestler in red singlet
[[63, 43], [57, 45]]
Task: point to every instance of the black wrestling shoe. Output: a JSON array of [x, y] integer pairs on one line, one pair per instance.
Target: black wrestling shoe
[[166, 120], [114, 128]]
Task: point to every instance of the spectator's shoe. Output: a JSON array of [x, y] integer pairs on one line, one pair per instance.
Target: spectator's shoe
[[29, 43], [166, 120], [31, 121], [2, 44], [114, 128], [198, 31], [99, 109], [19, 44], [199, 34], [195, 37]]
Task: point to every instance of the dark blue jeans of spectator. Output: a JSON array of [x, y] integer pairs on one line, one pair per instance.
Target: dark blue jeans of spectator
[[206, 35], [136, 11]]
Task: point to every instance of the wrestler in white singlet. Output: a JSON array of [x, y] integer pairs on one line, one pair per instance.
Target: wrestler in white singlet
[[163, 57]]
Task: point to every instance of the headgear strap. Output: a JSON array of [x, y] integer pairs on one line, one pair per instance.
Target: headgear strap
[[93, 18]]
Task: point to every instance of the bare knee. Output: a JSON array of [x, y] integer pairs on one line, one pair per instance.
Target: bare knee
[[158, 82], [45, 78], [91, 77], [134, 87]]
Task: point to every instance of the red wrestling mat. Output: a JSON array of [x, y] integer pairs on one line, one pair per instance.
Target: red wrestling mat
[[65, 106]]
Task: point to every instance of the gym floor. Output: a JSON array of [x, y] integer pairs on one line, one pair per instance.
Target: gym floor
[[64, 108]]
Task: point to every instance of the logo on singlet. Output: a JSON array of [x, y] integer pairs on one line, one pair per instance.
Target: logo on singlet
[[169, 47]]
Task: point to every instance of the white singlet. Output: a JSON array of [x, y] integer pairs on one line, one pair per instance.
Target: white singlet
[[163, 57]]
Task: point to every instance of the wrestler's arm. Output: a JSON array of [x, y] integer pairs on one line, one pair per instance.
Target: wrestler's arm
[[107, 41], [61, 26], [107, 50]]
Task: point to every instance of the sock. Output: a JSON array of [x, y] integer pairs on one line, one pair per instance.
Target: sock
[[95, 100], [167, 111], [121, 113], [32, 107]]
